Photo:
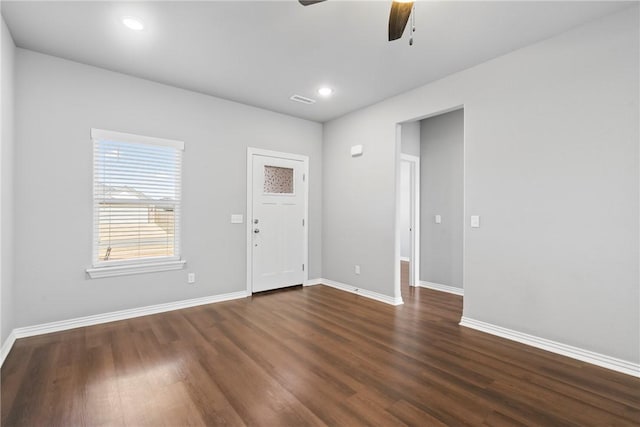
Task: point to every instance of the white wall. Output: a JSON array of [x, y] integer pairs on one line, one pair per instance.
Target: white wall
[[6, 183], [442, 193], [405, 209], [551, 163], [57, 103]]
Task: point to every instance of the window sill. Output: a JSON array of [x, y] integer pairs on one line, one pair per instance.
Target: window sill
[[124, 270]]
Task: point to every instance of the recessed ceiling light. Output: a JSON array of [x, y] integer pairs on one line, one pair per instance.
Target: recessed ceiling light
[[133, 23], [325, 91]]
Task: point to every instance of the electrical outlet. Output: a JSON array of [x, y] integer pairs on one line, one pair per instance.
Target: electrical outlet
[[357, 269], [191, 278]]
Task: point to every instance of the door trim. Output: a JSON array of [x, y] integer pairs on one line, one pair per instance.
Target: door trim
[[251, 151]]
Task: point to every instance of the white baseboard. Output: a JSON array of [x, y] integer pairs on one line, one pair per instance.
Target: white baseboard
[[598, 359], [7, 345], [405, 258], [97, 319], [359, 291], [312, 282], [443, 288]]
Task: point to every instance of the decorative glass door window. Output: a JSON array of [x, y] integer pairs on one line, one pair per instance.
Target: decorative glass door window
[[278, 180]]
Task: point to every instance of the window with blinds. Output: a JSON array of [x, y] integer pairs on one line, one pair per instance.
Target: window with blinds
[[136, 198]]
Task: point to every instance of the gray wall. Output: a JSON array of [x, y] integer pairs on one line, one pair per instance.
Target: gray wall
[[57, 103], [551, 166], [6, 184], [410, 138], [442, 193]]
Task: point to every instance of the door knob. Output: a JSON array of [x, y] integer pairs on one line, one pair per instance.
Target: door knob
[[256, 231]]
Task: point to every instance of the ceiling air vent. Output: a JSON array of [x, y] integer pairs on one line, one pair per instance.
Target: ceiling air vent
[[303, 99]]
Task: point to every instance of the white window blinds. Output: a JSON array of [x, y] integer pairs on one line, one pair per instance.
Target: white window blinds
[[136, 198]]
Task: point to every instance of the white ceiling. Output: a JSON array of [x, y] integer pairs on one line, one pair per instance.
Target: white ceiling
[[262, 52]]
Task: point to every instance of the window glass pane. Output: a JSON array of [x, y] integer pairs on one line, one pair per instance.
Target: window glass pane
[[136, 200], [278, 180], [137, 171], [128, 231]]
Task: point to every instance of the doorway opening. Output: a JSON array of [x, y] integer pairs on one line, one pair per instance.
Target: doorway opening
[[409, 211], [430, 217]]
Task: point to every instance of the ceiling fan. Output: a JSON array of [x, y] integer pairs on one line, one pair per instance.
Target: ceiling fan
[[398, 17]]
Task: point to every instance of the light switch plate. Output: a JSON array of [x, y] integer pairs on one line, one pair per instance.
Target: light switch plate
[[237, 219], [475, 221], [438, 219]]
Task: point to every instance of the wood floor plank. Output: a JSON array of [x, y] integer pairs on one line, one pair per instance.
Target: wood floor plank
[[413, 416], [307, 356], [256, 396], [31, 406], [101, 391], [12, 374], [205, 395]]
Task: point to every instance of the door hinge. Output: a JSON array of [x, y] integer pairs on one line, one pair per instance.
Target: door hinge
[[304, 177], [302, 267], [303, 222]]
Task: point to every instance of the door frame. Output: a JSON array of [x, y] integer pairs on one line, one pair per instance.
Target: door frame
[[398, 145], [414, 221], [251, 151]]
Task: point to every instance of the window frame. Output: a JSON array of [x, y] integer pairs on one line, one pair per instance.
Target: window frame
[[140, 265], [293, 183]]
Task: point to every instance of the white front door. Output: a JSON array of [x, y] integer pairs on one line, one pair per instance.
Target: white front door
[[277, 222]]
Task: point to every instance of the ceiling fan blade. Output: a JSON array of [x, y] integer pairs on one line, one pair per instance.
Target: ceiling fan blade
[[398, 17], [309, 2]]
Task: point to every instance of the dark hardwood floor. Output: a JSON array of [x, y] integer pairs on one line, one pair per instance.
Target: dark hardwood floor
[[308, 356]]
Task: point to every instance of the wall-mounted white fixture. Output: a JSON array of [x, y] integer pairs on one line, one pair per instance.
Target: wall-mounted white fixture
[[438, 219], [356, 151], [475, 221], [191, 278], [325, 91], [133, 23], [237, 219]]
